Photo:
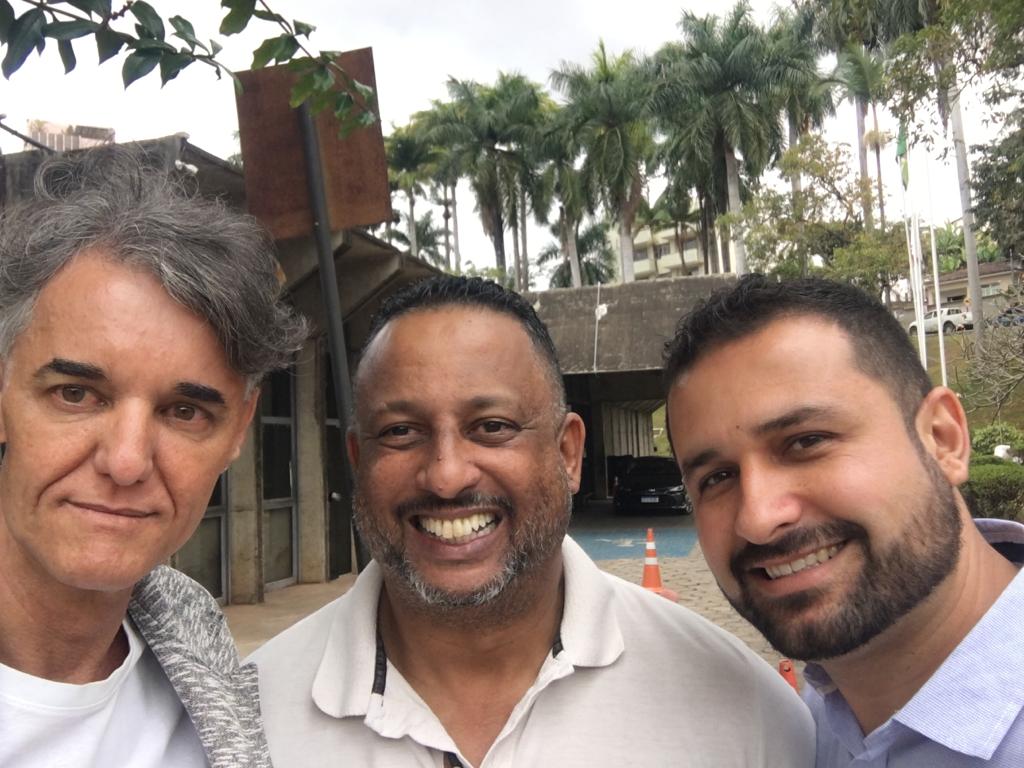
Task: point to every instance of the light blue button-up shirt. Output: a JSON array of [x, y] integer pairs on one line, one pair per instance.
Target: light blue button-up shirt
[[969, 713]]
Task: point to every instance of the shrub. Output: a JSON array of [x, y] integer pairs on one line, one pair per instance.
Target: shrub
[[997, 433], [995, 490], [986, 459]]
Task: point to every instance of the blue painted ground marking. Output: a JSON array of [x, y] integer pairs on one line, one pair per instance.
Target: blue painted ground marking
[[622, 542]]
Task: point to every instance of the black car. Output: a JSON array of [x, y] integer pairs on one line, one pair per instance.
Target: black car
[[651, 484]]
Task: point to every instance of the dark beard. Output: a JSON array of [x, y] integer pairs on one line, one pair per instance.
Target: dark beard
[[891, 582], [533, 544]]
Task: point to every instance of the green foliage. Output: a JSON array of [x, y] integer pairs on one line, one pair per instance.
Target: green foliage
[[874, 260], [984, 459], [985, 439], [597, 259], [995, 490], [999, 186], [322, 82]]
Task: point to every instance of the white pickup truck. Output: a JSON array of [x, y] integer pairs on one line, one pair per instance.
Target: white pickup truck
[[949, 319]]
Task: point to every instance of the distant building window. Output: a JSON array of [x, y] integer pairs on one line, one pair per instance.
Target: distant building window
[[992, 289], [639, 254], [661, 250]]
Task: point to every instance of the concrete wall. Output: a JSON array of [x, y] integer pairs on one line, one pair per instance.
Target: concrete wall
[[312, 496], [245, 525]]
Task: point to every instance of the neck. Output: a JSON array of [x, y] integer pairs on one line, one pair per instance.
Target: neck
[[880, 677], [53, 631], [448, 651]]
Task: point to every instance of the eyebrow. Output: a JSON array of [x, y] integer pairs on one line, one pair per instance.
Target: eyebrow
[[79, 370], [785, 421], [72, 368], [200, 392]]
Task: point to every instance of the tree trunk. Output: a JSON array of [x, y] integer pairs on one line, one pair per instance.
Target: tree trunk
[[796, 187], [654, 253], [568, 237], [878, 167], [522, 230], [963, 175], [514, 221], [455, 231], [446, 201], [626, 249], [861, 108], [498, 238], [703, 236], [414, 247], [735, 231]]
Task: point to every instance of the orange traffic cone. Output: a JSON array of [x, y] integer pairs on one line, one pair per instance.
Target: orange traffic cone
[[652, 572], [788, 673]]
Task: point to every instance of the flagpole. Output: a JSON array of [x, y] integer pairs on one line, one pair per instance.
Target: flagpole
[[913, 253], [935, 269]]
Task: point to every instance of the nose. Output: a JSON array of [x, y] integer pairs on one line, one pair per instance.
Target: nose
[[450, 468], [125, 451], [769, 503]]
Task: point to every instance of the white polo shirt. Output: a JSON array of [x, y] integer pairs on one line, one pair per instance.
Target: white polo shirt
[[637, 680]]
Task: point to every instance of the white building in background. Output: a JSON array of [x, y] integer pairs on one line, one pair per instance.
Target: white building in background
[[67, 137]]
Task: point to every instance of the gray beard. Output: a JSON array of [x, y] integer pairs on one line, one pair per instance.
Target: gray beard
[[509, 593]]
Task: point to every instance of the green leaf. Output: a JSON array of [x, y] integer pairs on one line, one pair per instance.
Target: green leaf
[[109, 43], [183, 28], [324, 78], [239, 14], [149, 44], [69, 30], [363, 90], [289, 47], [99, 7], [6, 19], [268, 16], [171, 64], [148, 18], [267, 51], [138, 64], [25, 34], [367, 118], [302, 28], [303, 89], [67, 55], [215, 48]]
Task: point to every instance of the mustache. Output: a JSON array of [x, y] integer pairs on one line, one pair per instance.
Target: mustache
[[470, 500], [800, 539]]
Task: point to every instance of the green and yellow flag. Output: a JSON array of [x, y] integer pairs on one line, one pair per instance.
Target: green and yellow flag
[[901, 154]]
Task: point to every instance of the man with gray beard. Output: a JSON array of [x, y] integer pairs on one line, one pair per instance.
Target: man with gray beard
[[823, 467], [482, 635]]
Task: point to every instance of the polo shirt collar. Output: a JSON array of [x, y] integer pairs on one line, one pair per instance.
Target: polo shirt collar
[[343, 685]]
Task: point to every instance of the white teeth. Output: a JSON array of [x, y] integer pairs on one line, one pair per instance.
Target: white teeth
[[460, 530], [801, 563]]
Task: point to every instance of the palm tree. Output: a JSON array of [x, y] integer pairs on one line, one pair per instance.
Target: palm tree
[[484, 125], [565, 185], [609, 108], [805, 94], [410, 155], [597, 259], [427, 235], [716, 91], [862, 74]]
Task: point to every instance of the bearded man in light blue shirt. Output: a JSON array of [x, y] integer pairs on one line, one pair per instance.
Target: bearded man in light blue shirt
[[824, 470]]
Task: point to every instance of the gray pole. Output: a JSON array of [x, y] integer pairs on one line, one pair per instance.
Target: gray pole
[[328, 283]]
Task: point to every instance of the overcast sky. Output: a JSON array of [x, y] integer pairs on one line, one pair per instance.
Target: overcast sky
[[416, 47]]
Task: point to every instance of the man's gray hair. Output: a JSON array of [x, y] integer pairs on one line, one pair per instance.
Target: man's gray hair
[[217, 263]]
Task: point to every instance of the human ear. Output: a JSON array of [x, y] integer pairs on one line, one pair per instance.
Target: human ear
[[942, 427], [352, 447], [571, 439]]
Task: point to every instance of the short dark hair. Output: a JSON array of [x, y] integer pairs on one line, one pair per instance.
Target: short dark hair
[[881, 347], [216, 262], [472, 292]]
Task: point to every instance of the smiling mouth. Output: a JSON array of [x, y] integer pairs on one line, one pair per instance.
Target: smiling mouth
[[459, 530], [810, 560]]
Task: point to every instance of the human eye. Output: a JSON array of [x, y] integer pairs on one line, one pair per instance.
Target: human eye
[[398, 435], [714, 479], [806, 442], [74, 396], [188, 415], [494, 431]]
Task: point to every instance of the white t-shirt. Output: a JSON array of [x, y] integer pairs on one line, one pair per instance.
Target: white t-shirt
[[133, 719]]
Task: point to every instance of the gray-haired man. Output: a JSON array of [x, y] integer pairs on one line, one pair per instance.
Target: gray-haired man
[[135, 325]]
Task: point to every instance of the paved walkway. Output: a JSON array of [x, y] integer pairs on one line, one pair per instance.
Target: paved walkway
[[687, 575]]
